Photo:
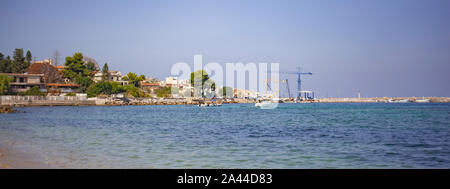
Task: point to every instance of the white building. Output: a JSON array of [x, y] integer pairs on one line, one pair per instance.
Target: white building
[[113, 76], [171, 81]]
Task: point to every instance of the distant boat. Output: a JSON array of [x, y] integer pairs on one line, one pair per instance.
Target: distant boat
[[209, 105], [267, 105], [399, 101], [423, 100]]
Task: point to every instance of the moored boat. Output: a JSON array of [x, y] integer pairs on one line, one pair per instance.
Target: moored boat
[[423, 100], [267, 105]]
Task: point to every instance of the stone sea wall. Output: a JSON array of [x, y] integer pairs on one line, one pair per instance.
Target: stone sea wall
[[45, 101], [83, 101]]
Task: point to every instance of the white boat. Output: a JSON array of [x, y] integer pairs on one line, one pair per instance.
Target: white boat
[[209, 105], [404, 100], [399, 101], [267, 105], [203, 105], [423, 100]]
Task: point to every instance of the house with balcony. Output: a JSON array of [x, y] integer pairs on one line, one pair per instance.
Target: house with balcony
[[22, 82]]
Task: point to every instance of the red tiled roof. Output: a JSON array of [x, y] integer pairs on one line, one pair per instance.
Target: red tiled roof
[[35, 68]]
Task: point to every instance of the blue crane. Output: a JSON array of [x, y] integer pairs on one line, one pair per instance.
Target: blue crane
[[299, 80]]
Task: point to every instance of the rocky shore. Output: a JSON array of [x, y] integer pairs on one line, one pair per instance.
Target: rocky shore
[[6, 109], [110, 101]]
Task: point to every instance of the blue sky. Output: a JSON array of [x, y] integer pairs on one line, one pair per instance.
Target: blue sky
[[380, 47]]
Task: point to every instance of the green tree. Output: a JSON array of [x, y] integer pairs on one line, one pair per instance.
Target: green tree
[[75, 67], [77, 71], [133, 79], [200, 81], [28, 57], [5, 65], [4, 83], [84, 83], [91, 67], [105, 73], [19, 65]]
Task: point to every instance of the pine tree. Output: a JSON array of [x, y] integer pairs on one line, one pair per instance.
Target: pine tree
[[8, 65], [5, 64], [19, 65], [75, 67], [29, 57], [105, 73], [2, 63]]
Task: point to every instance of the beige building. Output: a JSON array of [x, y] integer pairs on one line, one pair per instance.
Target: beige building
[[23, 82], [171, 81]]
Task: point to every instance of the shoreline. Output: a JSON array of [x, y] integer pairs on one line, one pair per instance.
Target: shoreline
[[32, 101], [14, 159]]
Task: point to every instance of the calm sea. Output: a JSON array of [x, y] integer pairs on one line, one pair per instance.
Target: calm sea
[[317, 135]]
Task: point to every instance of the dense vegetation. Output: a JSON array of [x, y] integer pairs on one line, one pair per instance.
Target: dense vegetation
[[166, 92], [19, 63], [4, 83], [111, 87], [34, 91], [77, 71], [133, 79], [105, 88]]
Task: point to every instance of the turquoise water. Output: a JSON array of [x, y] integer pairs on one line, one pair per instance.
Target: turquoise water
[[234, 136]]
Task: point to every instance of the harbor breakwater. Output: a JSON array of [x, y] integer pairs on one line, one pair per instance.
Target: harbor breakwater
[[382, 99]]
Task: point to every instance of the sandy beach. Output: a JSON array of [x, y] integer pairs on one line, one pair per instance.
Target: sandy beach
[[13, 159]]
